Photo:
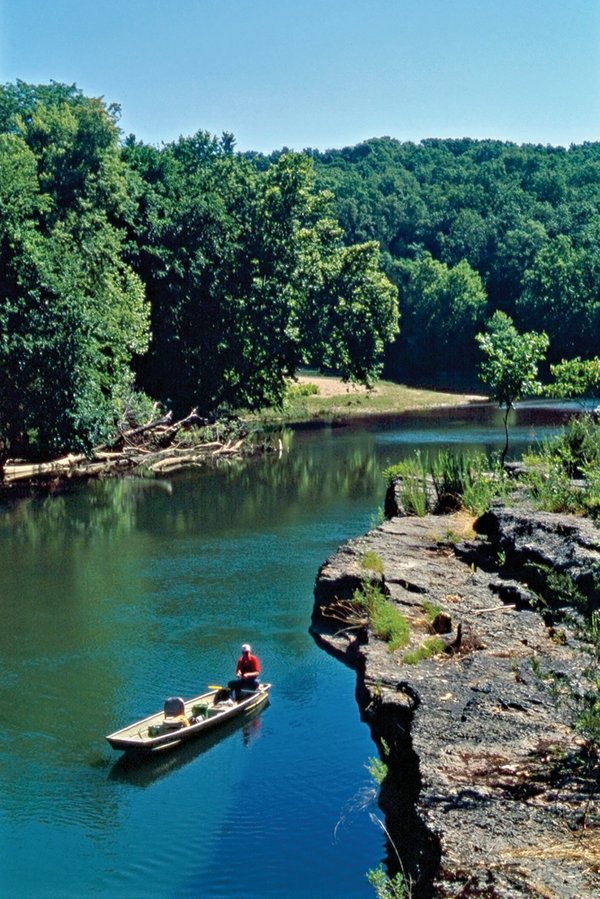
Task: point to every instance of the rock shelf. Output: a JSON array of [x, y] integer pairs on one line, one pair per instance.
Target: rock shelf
[[490, 789]]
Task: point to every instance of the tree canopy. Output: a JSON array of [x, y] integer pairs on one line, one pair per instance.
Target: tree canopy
[[205, 277], [248, 277], [526, 220], [192, 272], [72, 311]]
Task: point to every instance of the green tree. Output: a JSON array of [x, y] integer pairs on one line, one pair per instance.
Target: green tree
[[562, 296], [510, 368], [442, 309], [248, 277], [72, 313], [349, 313], [503, 208], [514, 254], [575, 379]]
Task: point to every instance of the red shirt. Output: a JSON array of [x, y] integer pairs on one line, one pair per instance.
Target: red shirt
[[247, 663]]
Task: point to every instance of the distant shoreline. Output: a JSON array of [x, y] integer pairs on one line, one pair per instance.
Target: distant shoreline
[[338, 399], [334, 399]]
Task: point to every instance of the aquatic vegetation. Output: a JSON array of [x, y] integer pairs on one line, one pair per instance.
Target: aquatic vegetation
[[447, 481]]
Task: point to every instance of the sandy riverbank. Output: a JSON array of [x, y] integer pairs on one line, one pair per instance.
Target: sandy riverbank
[[339, 397]]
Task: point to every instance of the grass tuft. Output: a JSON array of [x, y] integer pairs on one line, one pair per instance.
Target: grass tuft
[[433, 646], [385, 620]]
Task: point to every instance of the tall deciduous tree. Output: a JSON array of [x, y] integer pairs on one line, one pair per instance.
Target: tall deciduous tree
[[72, 313], [577, 379], [248, 277], [562, 295], [357, 309], [510, 367], [443, 308]]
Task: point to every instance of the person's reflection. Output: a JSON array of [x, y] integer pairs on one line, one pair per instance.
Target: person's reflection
[[251, 731]]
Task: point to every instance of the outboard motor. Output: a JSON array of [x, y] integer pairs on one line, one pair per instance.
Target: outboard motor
[[174, 706]]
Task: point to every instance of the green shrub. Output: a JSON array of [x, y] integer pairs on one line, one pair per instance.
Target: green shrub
[[590, 495], [486, 485], [390, 625], [451, 473], [576, 447], [378, 769], [387, 887], [551, 488], [431, 610], [412, 487], [588, 721], [368, 595], [574, 453], [471, 480], [297, 390]]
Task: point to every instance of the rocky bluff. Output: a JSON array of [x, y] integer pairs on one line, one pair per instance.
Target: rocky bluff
[[490, 790]]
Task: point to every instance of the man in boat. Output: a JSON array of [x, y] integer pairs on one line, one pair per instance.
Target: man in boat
[[247, 673]]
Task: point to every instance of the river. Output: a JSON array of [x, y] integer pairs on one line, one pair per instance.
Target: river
[[122, 593]]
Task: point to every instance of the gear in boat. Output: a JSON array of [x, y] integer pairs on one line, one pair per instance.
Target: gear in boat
[[175, 717]]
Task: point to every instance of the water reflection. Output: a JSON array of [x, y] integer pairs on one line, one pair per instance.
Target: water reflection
[[317, 466]]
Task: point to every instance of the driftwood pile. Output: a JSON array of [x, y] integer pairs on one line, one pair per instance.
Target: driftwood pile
[[159, 447]]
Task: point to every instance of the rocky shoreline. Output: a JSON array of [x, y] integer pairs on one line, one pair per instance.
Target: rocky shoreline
[[490, 790]]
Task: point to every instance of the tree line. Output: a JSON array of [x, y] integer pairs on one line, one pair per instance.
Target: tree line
[[471, 227], [195, 276], [188, 275]]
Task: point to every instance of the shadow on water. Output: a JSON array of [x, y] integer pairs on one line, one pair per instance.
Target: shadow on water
[[143, 770]]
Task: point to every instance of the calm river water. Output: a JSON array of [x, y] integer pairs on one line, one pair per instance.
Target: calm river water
[[120, 594]]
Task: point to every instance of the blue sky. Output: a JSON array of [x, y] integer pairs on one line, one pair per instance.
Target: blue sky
[[302, 73]]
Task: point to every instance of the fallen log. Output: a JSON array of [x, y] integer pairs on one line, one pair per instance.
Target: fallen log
[[172, 461], [152, 446], [143, 429], [25, 470], [230, 448]]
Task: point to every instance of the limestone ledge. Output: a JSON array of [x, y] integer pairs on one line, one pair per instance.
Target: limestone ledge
[[487, 793]]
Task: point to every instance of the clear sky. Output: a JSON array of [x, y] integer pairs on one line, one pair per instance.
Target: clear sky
[[320, 73]]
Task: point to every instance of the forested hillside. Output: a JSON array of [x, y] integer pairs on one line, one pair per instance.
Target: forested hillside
[[468, 227], [186, 275], [193, 276]]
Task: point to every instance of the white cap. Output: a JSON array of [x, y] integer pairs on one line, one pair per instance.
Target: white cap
[[246, 647]]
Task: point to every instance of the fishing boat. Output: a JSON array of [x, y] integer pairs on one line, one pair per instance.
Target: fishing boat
[[186, 719]]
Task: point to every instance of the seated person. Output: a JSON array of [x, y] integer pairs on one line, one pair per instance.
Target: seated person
[[247, 673]]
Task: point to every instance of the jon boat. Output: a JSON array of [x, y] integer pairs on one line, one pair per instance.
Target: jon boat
[[167, 729]]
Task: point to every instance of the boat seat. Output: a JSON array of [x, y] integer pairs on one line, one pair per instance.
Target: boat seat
[[172, 723], [174, 711]]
